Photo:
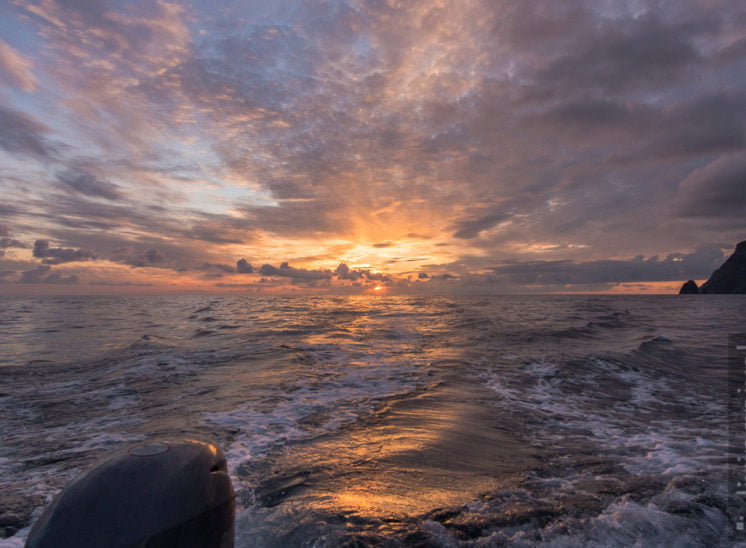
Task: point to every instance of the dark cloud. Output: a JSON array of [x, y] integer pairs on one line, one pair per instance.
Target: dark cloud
[[705, 125], [7, 241], [297, 274], [78, 212], [225, 268], [88, 184], [137, 258], [20, 133], [376, 276], [43, 274], [243, 267], [299, 218], [110, 223], [220, 229], [57, 278], [57, 255], [120, 284], [618, 54], [7, 210], [153, 256], [675, 266], [117, 246], [717, 190], [581, 115], [470, 228], [343, 272]]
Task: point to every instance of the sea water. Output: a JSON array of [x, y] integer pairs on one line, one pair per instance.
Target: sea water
[[417, 421]]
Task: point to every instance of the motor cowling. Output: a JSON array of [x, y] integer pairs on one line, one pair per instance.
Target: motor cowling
[[155, 495]]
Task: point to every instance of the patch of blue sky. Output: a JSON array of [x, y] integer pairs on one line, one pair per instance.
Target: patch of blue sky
[[214, 190], [20, 33], [226, 197]]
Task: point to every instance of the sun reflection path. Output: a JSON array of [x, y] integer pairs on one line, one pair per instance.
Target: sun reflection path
[[437, 449]]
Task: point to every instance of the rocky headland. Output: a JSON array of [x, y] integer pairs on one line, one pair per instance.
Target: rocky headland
[[729, 278]]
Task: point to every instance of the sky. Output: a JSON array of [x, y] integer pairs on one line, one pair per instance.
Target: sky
[[369, 147]]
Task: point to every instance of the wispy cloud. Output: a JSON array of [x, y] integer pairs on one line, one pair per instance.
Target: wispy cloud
[[16, 68], [517, 144]]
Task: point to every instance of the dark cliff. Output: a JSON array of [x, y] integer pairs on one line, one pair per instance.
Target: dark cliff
[[731, 276]]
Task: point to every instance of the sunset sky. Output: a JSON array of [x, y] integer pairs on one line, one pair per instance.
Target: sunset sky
[[439, 146]]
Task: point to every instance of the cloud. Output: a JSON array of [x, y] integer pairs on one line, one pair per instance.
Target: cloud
[[160, 244], [644, 52], [8, 210], [581, 116], [676, 266], [104, 59], [470, 228], [297, 274], [120, 284], [555, 134], [16, 68], [225, 268], [717, 190], [57, 255], [43, 274], [7, 241], [343, 272], [76, 211], [88, 184], [243, 267], [136, 258], [19, 133], [704, 125], [299, 218], [220, 229]]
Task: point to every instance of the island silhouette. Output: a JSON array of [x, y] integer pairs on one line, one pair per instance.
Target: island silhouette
[[729, 278]]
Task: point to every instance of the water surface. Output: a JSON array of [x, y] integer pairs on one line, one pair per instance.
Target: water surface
[[474, 421]]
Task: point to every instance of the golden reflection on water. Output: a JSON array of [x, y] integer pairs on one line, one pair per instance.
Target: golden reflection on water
[[436, 450]]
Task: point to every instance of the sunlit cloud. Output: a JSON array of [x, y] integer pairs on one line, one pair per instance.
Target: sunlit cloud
[[477, 146], [16, 68]]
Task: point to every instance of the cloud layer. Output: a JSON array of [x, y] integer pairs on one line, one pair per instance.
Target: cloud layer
[[515, 146]]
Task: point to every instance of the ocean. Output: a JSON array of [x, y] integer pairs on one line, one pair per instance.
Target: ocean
[[393, 420]]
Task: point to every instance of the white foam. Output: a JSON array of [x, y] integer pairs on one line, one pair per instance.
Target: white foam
[[16, 541], [658, 446], [340, 382], [627, 523], [309, 409], [438, 534]]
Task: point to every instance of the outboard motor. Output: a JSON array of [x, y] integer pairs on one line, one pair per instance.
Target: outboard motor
[[154, 495]]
